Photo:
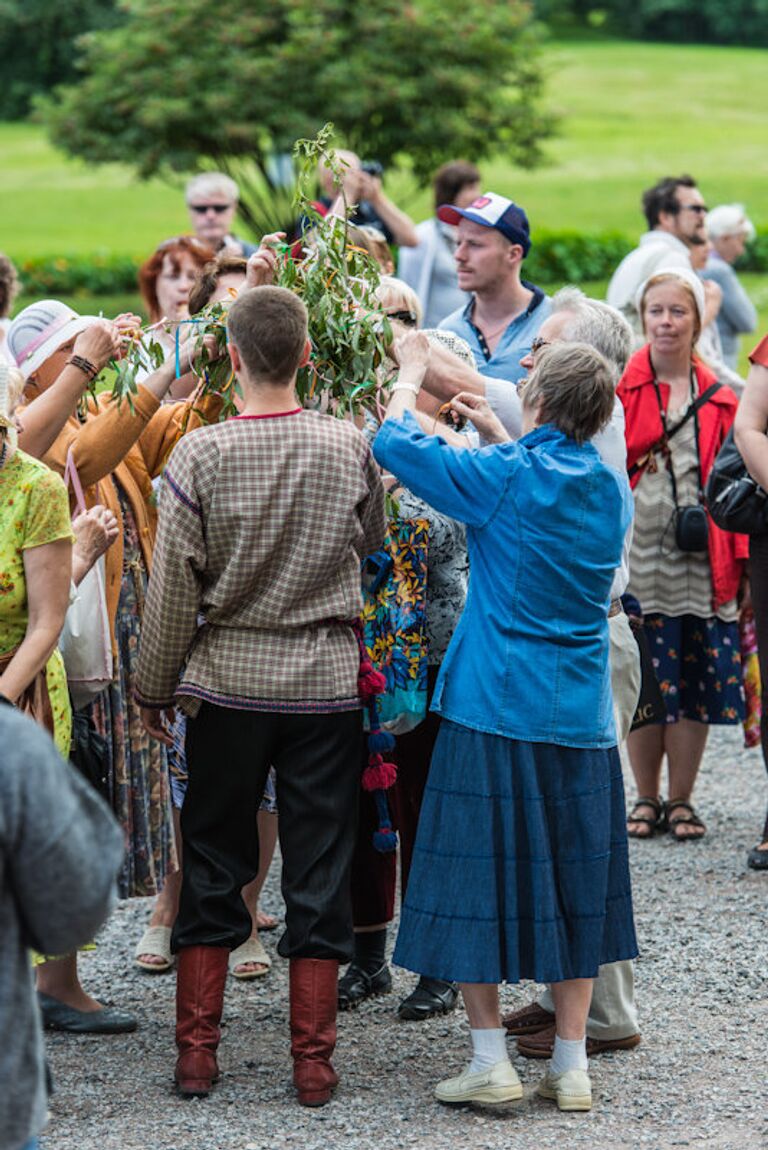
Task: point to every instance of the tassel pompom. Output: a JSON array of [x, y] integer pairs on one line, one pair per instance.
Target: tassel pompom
[[379, 741], [385, 841], [370, 681], [385, 838], [378, 775]]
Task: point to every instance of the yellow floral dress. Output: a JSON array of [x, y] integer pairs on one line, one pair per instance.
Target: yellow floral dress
[[34, 510]]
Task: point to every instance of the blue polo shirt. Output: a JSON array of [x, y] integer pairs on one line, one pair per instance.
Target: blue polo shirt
[[504, 363]]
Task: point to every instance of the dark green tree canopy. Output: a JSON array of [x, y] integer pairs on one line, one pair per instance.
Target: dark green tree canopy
[[691, 21], [37, 45], [188, 82]]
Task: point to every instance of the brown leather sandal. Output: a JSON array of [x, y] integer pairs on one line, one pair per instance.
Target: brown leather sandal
[[658, 823], [691, 819]]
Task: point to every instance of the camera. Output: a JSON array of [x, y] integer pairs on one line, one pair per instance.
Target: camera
[[372, 168], [692, 528]]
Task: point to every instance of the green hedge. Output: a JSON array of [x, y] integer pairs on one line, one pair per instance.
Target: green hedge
[[99, 274], [572, 257], [556, 257]]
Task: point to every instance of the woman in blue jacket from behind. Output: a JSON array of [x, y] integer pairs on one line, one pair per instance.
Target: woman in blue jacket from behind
[[520, 868]]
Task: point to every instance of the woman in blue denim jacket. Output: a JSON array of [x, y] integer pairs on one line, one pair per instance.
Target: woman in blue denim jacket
[[520, 868]]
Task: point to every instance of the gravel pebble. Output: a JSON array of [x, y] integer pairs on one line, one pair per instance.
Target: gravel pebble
[[697, 1079]]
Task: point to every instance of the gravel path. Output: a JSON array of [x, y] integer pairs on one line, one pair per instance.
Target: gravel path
[[698, 1078]]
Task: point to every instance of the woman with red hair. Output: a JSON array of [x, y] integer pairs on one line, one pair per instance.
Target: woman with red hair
[[165, 281]]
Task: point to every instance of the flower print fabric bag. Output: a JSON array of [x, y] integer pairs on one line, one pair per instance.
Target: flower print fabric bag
[[394, 622]]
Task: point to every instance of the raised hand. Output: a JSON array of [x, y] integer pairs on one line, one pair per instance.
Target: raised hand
[[412, 352], [478, 411], [262, 265], [99, 343]]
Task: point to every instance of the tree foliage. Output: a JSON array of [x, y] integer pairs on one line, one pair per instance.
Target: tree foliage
[[183, 85], [37, 45], [693, 21]]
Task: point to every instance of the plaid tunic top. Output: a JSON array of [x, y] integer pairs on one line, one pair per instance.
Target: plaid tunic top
[[256, 572]]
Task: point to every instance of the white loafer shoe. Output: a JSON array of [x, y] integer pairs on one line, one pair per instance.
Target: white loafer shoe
[[571, 1090], [497, 1084]]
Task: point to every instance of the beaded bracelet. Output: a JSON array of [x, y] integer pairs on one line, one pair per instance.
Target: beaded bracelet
[[84, 365]]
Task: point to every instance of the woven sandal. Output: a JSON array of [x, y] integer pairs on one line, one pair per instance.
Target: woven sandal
[[691, 819], [658, 823], [155, 940], [250, 951]]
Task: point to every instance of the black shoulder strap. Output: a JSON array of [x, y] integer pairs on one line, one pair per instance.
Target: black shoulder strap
[[668, 433], [695, 406]]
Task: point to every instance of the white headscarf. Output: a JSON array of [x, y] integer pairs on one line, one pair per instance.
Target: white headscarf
[[687, 275]]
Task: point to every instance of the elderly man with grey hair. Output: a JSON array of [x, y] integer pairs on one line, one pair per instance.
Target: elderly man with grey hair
[[495, 409], [729, 231], [212, 200]]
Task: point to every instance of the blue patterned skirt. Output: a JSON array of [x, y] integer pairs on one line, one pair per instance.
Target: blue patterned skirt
[[520, 869], [698, 665]]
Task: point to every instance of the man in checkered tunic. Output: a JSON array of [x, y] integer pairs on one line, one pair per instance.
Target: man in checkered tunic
[[248, 628]]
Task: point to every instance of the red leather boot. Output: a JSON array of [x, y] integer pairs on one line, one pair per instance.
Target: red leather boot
[[201, 975], [313, 1028]]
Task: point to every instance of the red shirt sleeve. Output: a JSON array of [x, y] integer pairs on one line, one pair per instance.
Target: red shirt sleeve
[[760, 353]]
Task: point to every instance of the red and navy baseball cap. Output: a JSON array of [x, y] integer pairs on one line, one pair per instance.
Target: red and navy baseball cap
[[492, 211]]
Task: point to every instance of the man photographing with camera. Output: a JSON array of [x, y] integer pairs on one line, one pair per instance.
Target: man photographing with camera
[[362, 186]]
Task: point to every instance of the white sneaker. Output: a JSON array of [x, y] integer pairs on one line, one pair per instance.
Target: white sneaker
[[499, 1083], [571, 1090]]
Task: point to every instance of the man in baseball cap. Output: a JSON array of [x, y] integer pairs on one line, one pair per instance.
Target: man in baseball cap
[[505, 311]]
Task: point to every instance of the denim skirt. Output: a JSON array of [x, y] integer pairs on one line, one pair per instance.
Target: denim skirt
[[520, 868]]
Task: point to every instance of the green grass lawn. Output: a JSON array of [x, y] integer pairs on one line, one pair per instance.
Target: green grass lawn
[[632, 113], [629, 113]]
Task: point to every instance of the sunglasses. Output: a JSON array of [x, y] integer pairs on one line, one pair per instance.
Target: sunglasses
[[699, 209], [201, 209], [538, 343], [409, 318]]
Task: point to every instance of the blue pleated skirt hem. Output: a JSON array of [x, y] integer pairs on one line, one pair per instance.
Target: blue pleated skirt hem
[[521, 867]]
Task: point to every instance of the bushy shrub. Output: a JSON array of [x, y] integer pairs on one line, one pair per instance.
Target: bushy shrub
[[572, 256]]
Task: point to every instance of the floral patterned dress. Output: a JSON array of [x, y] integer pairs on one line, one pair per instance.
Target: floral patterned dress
[[34, 510], [138, 764]]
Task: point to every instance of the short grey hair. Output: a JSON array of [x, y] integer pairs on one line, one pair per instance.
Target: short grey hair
[[599, 325], [572, 386], [211, 184], [729, 220]]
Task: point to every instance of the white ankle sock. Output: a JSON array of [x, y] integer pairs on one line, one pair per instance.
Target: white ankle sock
[[569, 1054], [488, 1048]]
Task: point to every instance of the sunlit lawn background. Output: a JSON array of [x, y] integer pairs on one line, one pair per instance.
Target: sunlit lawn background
[[629, 113]]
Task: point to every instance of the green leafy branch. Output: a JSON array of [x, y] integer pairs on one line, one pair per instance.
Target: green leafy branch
[[336, 279]]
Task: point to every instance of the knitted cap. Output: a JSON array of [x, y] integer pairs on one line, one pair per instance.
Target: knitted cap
[[451, 342], [40, 330]]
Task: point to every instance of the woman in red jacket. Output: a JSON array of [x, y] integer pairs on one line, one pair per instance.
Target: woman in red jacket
[[684, 571]]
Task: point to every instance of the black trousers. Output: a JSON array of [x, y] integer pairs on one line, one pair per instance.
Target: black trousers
[[317, 764]]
